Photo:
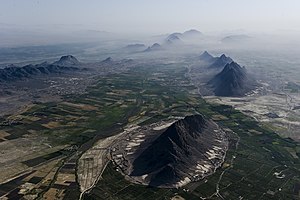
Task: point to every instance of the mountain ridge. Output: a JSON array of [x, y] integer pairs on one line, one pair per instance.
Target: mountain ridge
[[154, 47], [13, 73], [215, 62]]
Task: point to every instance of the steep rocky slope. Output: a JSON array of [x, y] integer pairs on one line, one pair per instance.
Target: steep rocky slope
[[189, 149], [233, 80]]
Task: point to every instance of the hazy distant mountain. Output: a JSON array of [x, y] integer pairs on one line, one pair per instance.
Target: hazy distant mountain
[[220, 62], [215, 62], [173, 39], [179, 37], [65, 64], [192, 33], [233, 80], [135, 47], [235, 38], [154, 47], [205, 56], [174, 155]]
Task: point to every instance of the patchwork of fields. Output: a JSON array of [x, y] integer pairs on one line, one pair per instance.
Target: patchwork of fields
[[40, 147]]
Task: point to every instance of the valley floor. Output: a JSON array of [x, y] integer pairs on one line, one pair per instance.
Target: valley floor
[[66, 154]]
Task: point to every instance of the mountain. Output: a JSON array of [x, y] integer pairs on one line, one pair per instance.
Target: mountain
[[205, 56], [215, 62], [178, 38], [135, 47], [154, 47], [190, 34], [233, 80], [173, 39], [175, 154], [68, 60], [193, 33], [107, 60], [13, 73], [176, 34], [235, 38], [221, 61]]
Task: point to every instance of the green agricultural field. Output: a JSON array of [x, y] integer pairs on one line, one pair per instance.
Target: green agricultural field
[[248, 171], [145, 95]]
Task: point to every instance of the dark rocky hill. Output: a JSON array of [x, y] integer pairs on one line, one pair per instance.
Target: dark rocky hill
[[233, 80], [175, 154], [107, 60], [68, 60], [65, 64]]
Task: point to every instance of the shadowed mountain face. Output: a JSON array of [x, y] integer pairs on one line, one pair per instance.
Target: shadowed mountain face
[[107, 60], [13, 73], [171, 157], [233, 80], [67, 61]]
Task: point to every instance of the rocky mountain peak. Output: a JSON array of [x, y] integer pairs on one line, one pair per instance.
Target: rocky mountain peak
[[174, 154], [67, 60], [233, 80]]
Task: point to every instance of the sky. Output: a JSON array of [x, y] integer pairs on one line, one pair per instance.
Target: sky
[[151, 16]]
